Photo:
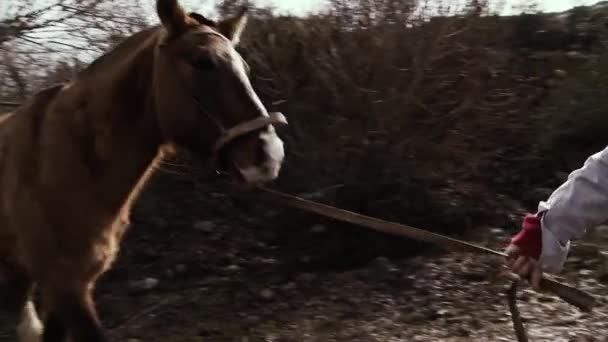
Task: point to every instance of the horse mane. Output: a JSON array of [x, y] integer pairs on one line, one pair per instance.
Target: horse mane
[[134, 43], [42, 97], [123, 51]]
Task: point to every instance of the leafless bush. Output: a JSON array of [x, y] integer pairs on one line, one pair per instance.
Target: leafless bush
[[423, 120], [393, 106], [37, 36]]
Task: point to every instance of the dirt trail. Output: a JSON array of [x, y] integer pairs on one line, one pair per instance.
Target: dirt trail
[[184, 276]]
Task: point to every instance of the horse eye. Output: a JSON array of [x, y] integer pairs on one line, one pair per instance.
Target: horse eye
[[203, 62]]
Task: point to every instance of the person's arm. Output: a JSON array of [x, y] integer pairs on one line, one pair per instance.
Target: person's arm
[[578, 204]]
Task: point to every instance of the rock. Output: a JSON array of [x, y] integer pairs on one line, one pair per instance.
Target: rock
[[305, 259], [354, 300], [603, 277], [267, 294], [567, 321], [523, 296], [443, 312], [158, 221], [252, 318], [475, 323], [145, 284], [233, 268], [461, 332], [306, 277], [575, 55], [575, 260], [475, 274], [602, 229], [204, 226], [289, 286], [318, 229], [180, 268], [207, 332], [415, 317], [499, 319], [587, 250], [173, 272], [497, 231], [560, 73], [383, 264], [150, 283], [266, 261], [456, 319], [546, 299]]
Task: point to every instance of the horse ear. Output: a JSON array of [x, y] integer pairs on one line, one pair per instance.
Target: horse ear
[[232, 28], [172, 16]]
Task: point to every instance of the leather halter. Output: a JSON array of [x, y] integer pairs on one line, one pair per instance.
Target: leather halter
[[276, 118], [227, 135]]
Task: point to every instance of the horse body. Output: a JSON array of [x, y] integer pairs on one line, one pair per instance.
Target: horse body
[[71, 161], [75, 157], [71, 166]]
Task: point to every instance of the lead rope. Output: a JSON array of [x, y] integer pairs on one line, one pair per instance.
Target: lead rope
[[518, 325], [581, 299]]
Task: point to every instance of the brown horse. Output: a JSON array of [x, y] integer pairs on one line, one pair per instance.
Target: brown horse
[[74, 158]]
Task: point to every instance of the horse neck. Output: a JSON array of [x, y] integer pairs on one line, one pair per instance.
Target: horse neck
[[125, 125]]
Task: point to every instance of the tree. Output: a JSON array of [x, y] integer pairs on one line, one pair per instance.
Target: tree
[[35, 35]]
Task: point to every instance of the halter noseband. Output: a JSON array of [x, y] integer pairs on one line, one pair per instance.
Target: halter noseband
[[276, 118]]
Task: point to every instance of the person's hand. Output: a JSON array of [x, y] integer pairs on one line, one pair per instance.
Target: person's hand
[[525, 249]]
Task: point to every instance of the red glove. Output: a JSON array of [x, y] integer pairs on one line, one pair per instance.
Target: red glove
[[529, 239]]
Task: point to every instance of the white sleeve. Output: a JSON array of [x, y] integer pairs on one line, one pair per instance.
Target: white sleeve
[[578, 204]]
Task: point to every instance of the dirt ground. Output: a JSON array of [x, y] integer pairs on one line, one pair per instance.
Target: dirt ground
[[192, 271]]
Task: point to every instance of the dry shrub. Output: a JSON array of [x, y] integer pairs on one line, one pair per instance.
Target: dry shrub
[[428, 122], [396, 110]]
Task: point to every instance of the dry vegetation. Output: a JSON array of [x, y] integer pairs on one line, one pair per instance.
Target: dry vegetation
[[451, 122]]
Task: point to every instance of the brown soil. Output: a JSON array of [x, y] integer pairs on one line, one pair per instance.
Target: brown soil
[[217, 277]]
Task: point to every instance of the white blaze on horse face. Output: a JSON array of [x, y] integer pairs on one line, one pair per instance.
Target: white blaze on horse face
[[30, 328], [272, 144]]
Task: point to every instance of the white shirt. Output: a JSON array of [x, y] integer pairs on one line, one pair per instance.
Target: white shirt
[[578, 204]]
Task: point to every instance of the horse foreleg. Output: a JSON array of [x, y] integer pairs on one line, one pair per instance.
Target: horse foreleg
[[72, 311], [30, 327], [16, 288]]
